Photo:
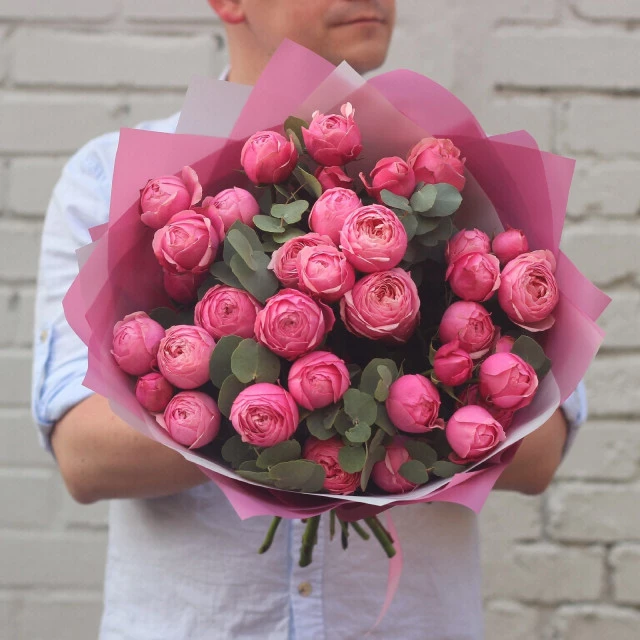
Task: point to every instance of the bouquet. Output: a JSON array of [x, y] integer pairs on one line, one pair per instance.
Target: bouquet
[[340, 312]]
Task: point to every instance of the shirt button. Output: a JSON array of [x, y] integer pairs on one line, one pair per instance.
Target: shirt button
[[43, 335], [304, 589]]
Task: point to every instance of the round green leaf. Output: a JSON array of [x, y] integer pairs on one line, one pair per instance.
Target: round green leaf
[[236, 452], [251, 362], [281, 452], [360, 407], [220, 362], [288, 235], [410, 224], [260, 283], [298, 475], [446, 469], [352, 459], [421, 451], [414, 471], [243, 248], [292, 212], [371, 375], [165, 317], [229, 391], [360, 432], [394, 201], [261, 477], [320, 422], [222, 272], [268, 224], [384, 422], [448, 200], [424, 198], [308, 181]]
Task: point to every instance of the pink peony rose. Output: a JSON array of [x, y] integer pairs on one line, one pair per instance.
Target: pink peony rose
[[507, 381], [452, 365], [333, 140], [208, 211], [472, 433], [373, 239], [474, 276], [188, 243], [528, 291], [232, 205], [192, 419], [471, 395], [504, 344], [413, 404], [284, 260], [330, 211], [436, 160], [163, 197], [382, 306], [331, 177], [268, 157], [136, 339], [325, 453], [469, 323], [182, 287], [386, 473], [324, 272], [184, 354], [226, 311], [318, 379], [264, 414], [153, 392], [392, 174], [509, 245], [292, 323], [466, 241]]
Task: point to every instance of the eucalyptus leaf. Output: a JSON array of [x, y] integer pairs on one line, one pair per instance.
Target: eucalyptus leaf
[[414, 471], [448, 200], [320, 422], [257, 476], [371, 374], [222, 271], [248, 233], [360, 432], [361, 408], [384, 422], [229, 391], [298, 475], [252, 362], [209, 282], [265, 199], [260, 283], [242, 247], [292, 123], [220, 361], [425, 225], [297, 142], [235, 452], [310, 182], [268, 224], [395, 201], [269, 245], [532, 353], [292, 212], [410, 224], [282, 191], [352, 459], [289, 234], [375, 453], [342, 423], [424, 198], [421, 451], [446, 469], [165, 317], [281, 452], [250, 465], [354, 371]]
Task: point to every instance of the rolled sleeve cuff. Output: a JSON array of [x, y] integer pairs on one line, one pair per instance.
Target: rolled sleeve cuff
[[575, 409]]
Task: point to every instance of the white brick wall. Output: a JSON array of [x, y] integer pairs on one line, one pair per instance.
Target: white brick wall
[[565, 565]]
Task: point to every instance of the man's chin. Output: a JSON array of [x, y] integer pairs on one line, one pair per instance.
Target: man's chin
[[362, 58]]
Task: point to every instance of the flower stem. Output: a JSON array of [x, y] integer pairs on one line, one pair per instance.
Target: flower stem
[[332, 524], [360, 531], [345, 534], [270, 534], [382, 535], [309, 539]]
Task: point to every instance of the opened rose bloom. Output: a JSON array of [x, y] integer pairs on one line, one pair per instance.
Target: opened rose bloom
[[373, 239], [528, 291], [466, 241], [189, 242], [472, 433], [324, 272], [318, 379], [268, 157], [452, 365], [436, 160], [507, 381], [330, 211], [226, 311], [184, 354], [264, 414], [182, 287], [330, 177], [293, 323], [136, 339], [471, 395], [469, 323], [284, 260], [192, 419], [333, 140], [153, 392], [509, 245], [392, 174], [163, 197], [232, 205], [413, 404], [382, 306], [474, 276], [386, 473], [504, 344], [325, 453]]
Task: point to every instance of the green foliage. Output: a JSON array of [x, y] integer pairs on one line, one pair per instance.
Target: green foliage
[[375, 453], [310, 183], [352, 459], [446, 469], [261, 283], [394, 201], [295, 125], [532, 353], [360, 432], [252, 362], [268, 224], [374, 373], [384, 422], [320, 422], [414, 471], [291, 212], [220, 361], [236, 452], [298, 475], [410, 224], [447, 202], [229, 391], [281, 452], [422, 452], [222, 272], [361, 408], [290, 233], [424, 198]]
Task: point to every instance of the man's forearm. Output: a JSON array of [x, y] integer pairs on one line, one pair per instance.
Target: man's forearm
[[101, 457]]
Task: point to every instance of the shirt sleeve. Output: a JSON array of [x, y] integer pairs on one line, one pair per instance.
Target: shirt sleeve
[[575, 409], [80, 201]]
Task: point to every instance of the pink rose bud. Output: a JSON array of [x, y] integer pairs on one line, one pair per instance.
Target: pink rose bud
[[466, 241], [472, 432], [474, 276], [268, 157], [528, 291], [284, 260], [469, 323], [330, 211], [509, 245], [413, 404], [325, 453], [331, 177], [373, 239], [208, 211], [504, 344], [386, 473], [192, 419], [264, 414], [226, 311], [184, 354], [507, 381], [136, 339], [188, 243], [153, 392], [292, 323], [182, 287], [318, 379], [471, 395], [333, 140], [392, 174], [324, 273], [382, 306], [163, 197], [232, 205], [436, 160], [452, 365]]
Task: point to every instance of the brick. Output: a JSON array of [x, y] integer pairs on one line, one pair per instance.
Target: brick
[[16, 316], [523, 58], [31, 181], [28, 499], [524, 10], [622, 10], [596, 622], [19, 247], [524, 522], [604, 450], [15, 378], [74, 9], [52, 560], [167, 10], [9, 607], [136, 60], [620, 318], [614, 386], [625, 560], [4, 53], [19, 439], [505, 620], [594, 512], [142, 108]]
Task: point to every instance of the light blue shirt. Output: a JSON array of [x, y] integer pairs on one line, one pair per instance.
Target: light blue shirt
[[185, 566]]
